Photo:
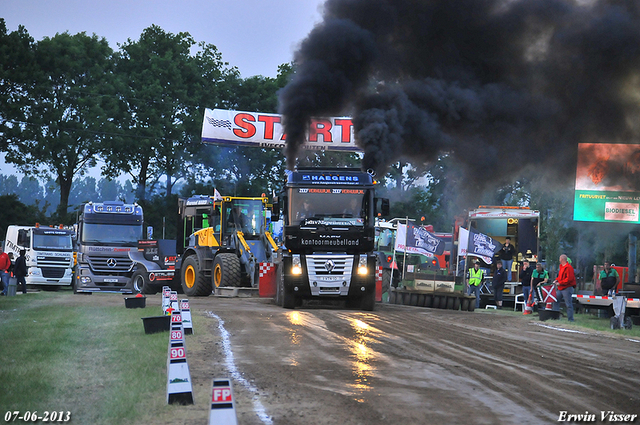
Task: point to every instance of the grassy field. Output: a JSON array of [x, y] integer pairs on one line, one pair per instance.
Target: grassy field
[[95, 362]]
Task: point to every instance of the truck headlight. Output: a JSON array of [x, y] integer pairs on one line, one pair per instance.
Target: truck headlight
[[296, 265], [362, 265], [85, 279]]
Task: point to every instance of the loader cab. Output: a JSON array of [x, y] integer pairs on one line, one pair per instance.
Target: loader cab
[[246, 215]]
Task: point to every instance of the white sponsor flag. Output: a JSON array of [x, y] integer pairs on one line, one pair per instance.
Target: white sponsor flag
[[401, 237], [463, 242]]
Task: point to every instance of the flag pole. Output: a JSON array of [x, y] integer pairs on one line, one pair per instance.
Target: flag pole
[[404, 257]]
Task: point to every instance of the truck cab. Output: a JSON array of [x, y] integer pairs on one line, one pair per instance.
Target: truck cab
[[329, 232], [49, 253], [107, 232]]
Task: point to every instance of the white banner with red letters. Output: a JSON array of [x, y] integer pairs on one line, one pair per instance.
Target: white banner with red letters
[[257, 129]]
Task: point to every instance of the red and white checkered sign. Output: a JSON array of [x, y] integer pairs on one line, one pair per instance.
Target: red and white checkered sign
[[549, 293], [378, 274], [265, 268]]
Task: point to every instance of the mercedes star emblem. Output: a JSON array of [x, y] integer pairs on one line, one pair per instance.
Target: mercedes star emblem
[[111, 263]]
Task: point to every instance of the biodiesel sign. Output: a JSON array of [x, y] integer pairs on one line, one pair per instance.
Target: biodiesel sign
[[608, 183]]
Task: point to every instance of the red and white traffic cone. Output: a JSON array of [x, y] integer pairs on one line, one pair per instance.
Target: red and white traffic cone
[[528, 308]]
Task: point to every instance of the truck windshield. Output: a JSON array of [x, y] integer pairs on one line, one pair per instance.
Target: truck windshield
[[108, 234], [246, 215], [52, 242], [334, 206]]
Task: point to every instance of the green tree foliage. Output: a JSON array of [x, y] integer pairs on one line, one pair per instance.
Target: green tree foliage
[[56, 116], [162, 86], [15, 212]]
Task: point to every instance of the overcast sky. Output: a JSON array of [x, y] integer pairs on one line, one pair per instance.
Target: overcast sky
[[254, 35]]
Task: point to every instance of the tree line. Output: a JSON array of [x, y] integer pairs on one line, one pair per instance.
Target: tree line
[[71, 102]]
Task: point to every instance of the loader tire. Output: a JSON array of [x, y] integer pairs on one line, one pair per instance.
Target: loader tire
[[194, 282], [226, 270]]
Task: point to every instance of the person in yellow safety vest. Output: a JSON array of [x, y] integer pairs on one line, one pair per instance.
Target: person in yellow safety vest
[[476, 277]]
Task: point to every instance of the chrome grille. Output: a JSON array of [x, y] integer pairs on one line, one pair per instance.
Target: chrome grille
[[101, 264], [329, 274]]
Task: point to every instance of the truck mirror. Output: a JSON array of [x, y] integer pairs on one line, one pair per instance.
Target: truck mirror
[[384, 207], [275, 209]]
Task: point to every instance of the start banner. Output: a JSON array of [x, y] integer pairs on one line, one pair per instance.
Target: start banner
[[257, 129]]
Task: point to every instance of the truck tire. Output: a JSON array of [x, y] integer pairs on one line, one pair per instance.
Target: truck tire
[[140, 282], [226, 270], [386, 280], [450, 301], [288, 298], [194, 282], [436, 301], [368, 301], [456, 304], [465, 304], [279, 284]]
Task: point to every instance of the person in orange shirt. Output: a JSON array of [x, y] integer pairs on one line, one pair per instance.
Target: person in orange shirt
[[565, 282]]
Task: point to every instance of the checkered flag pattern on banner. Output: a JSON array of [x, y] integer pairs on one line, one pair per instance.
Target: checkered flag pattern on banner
[[549, 293], [219, 123]]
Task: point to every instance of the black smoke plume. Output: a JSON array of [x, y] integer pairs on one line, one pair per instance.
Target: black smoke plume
[[499, 85]]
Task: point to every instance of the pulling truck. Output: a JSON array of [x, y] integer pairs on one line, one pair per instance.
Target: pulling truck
[[49, 253], [329, 235], [107, 232]]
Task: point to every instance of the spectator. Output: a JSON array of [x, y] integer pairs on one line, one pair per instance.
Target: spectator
[[565, 283], [499, 278], [20, 270], [609, 279], [476, 277], [506, 256], [5, 264], [525, 278], [539, 276]]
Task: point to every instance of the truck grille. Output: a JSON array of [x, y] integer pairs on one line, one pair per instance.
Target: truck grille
[[52, 272], [49, 262], [109, 264], [329, 274], [330, 265]]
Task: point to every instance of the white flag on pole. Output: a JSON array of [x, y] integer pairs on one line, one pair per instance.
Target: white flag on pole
[[463, 242]]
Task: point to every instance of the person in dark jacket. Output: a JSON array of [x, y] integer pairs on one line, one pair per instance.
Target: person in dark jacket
[[499, 278], [525, 278], [506, 256], [20, 270]]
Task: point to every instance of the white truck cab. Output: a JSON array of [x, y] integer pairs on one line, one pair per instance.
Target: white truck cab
[[49, 253]]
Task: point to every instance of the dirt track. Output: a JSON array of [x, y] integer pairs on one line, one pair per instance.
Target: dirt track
[[402, 365]]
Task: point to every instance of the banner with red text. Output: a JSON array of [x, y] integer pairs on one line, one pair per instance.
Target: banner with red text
[[257, 129]]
